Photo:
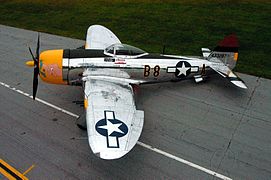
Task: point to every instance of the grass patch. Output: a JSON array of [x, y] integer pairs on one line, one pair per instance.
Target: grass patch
[[183, 26]]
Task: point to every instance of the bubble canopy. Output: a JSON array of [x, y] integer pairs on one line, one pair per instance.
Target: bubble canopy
[[124, 50]]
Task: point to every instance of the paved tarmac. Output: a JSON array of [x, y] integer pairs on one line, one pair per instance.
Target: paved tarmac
[[214, 124]]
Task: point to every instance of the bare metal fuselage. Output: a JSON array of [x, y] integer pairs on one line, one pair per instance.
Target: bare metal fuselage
[[145, 68]]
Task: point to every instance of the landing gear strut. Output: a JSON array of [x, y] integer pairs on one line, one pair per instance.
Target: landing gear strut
[[81, 122]]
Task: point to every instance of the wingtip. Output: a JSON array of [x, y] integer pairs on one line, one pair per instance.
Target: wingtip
[[240, 84]]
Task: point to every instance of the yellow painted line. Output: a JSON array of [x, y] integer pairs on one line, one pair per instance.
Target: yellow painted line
[[7, 175], [10, 172], [29, 169]]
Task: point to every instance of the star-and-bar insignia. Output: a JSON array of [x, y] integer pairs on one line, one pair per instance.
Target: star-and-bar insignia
[[182, 69], [111, 128]]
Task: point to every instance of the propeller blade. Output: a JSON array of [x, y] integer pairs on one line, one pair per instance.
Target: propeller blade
[[38, 47], [36, 67], [35, 81], [34, 59]]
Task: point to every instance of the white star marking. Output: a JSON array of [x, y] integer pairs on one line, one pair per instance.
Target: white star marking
[[182, 70], [110, 127]]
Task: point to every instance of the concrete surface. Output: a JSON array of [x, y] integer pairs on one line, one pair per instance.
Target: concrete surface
[[214, 124]]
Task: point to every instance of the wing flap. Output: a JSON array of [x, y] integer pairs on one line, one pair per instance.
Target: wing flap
[[138, 121]]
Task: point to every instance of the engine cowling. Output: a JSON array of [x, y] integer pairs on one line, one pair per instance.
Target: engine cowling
[[50, 66]]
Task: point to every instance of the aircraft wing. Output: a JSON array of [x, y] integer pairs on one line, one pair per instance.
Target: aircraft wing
[[99, 37], [113, 123]]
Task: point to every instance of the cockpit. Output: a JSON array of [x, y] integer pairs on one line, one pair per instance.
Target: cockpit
[[124, 50]]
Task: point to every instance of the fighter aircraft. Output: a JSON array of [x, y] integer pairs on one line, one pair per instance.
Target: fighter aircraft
[[109, 71]]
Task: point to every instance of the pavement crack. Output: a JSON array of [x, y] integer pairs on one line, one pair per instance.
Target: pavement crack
[[239, 123], [79, 138], [212, 157], [253, 91], [229, 144], [183, 133]]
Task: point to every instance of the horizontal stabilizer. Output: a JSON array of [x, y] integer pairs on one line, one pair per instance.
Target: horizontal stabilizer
[[205, 52], [238, 82], [225, 71]]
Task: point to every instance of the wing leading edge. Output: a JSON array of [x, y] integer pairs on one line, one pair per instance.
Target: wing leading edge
[[113, 123]]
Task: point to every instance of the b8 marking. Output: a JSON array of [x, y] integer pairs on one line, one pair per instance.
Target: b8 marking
[[147, 71]]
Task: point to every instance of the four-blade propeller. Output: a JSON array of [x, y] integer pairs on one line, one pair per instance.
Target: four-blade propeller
[[36, 67]]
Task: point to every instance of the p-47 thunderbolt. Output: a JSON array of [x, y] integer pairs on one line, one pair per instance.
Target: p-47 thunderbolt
[[109, 71]]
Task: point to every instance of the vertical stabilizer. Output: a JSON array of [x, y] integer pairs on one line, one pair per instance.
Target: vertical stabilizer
[[224, 57], [226, 51]]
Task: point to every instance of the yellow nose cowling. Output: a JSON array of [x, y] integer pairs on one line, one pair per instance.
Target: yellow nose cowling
[[50, 66]]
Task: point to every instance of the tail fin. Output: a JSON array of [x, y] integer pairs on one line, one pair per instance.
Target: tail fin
[[223, 59], [226, 51]]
